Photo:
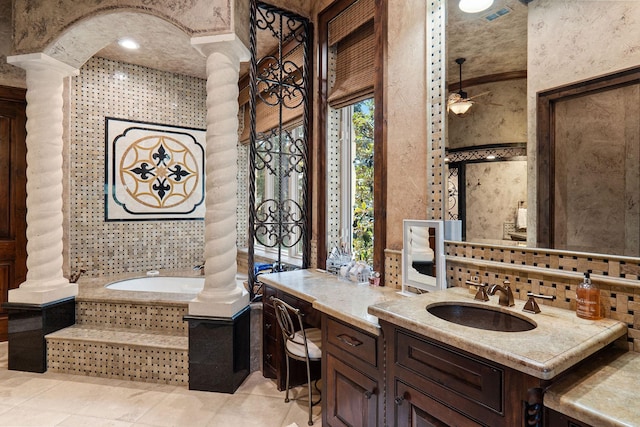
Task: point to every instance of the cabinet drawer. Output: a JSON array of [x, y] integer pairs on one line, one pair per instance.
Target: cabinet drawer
[[268, 293], [468, 377], [353, 341], [270, 324]]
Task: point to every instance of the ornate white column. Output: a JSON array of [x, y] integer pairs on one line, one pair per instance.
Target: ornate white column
[[45, 281], [221, 296]]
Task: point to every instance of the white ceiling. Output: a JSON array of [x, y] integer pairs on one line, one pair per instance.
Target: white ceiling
[[489, 47]]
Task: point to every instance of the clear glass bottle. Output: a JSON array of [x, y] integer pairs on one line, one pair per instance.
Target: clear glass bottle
[[588, 300]]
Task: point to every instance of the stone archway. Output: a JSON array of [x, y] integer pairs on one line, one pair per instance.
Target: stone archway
[[47, 69]]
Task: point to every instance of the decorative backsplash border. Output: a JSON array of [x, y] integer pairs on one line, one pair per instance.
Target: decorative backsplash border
[[553, 272], [546, 272]]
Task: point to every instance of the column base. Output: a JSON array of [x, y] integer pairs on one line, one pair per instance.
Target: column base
[[35, 295], [219, 351], [28, 325], [217, 308]]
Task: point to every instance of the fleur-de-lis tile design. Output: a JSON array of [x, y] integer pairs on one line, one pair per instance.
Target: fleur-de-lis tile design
[[159, 171]]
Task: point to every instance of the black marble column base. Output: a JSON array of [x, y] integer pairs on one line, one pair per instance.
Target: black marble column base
[[28, 325], [219, 351]]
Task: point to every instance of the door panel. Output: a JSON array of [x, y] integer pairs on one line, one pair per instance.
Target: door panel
[[13, 241]]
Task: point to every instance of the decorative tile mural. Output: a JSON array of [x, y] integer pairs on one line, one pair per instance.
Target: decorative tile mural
[[153, 171]]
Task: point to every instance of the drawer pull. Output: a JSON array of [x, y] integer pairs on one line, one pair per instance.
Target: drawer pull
[[269, 356], [350, 341], [267, 325], [368, 394], [399, 400]]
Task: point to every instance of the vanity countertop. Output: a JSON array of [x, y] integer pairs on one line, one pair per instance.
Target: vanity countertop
[[560, 340], [342, 299], [602, 391]]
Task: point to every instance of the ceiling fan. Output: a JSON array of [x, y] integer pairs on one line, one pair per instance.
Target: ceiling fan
[[459, 102]]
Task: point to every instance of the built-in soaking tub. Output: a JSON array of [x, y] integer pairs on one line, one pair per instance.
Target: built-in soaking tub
[[164, 284]]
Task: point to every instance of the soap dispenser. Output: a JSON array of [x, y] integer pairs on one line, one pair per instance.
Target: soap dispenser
[[588, 299]]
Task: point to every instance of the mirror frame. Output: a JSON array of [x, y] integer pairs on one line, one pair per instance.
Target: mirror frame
[[439, 256]]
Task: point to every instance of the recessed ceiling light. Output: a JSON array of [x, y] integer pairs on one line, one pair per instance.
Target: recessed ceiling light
[[474, 6], [128, 43], [491, 157]]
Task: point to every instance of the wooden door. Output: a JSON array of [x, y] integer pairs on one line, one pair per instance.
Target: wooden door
[[13, 208]]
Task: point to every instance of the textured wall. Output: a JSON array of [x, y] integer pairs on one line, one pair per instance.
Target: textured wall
[[597, 203], [114, 89], [37, 24], [9, 75], [569, 41], [406, 128], [500, 116], [493, 192]]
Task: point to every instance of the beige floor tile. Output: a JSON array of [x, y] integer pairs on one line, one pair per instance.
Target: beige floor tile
[[251, 411], [16, 388], [258, 385], [185, 408], [82, 421], [62, 400], [298, 413], [26, 417]]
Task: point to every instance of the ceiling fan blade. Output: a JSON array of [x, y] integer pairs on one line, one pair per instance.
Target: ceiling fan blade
[[480, 94]]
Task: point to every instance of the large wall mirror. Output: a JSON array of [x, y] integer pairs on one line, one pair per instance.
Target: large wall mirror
[[495, 186], [486, 161]]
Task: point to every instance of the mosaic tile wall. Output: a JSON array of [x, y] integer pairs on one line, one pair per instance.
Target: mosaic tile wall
[[242, 209], [551, 272], [435, 111], [127, 362], [107, 88], [167, 318]]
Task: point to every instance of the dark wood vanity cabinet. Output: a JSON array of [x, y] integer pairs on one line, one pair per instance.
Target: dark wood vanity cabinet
[[433, 384], [556, 419], [273, 355], [352, 370]]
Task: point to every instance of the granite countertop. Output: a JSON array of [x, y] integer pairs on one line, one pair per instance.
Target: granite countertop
[[344, 300], [560, 340], [601, 392]]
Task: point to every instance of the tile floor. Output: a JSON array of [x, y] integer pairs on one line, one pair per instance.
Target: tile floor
[[50, 399]]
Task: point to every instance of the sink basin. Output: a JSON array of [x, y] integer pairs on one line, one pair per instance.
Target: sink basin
[[481, 317]]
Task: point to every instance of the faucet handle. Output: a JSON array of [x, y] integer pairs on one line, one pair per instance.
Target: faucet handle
[[531, 306], [481, 295]]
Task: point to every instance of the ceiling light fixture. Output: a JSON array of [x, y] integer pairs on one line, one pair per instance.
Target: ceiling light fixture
[[128, 43], [474, 6], [458, 102]]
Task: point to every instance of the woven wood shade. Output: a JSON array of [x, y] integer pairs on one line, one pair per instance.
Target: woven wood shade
[[355, 67], [352, 18]]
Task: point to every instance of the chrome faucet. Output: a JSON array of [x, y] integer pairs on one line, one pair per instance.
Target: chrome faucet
[[199, 267], [506, 296]]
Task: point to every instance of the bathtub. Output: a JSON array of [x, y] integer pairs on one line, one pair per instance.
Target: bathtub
[[166, 284]]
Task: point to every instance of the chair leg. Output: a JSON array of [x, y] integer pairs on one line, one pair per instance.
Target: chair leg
[[286, 395], [309, 387]]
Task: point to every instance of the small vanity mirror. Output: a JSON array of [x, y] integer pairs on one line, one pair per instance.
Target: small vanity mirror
[[423, 265]]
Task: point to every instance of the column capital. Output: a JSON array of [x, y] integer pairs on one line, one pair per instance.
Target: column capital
[[42, 62], [228, 44]]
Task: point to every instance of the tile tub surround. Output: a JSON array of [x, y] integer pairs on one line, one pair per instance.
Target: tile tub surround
[[117, 331], [601, 392], [559, 341], [341, 299]]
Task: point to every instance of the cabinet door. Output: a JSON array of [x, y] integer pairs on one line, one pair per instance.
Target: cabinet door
[[414, 409], [556, 419], [351, 397]]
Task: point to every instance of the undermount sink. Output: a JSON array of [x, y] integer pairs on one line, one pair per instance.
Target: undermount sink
[[480, 317]]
